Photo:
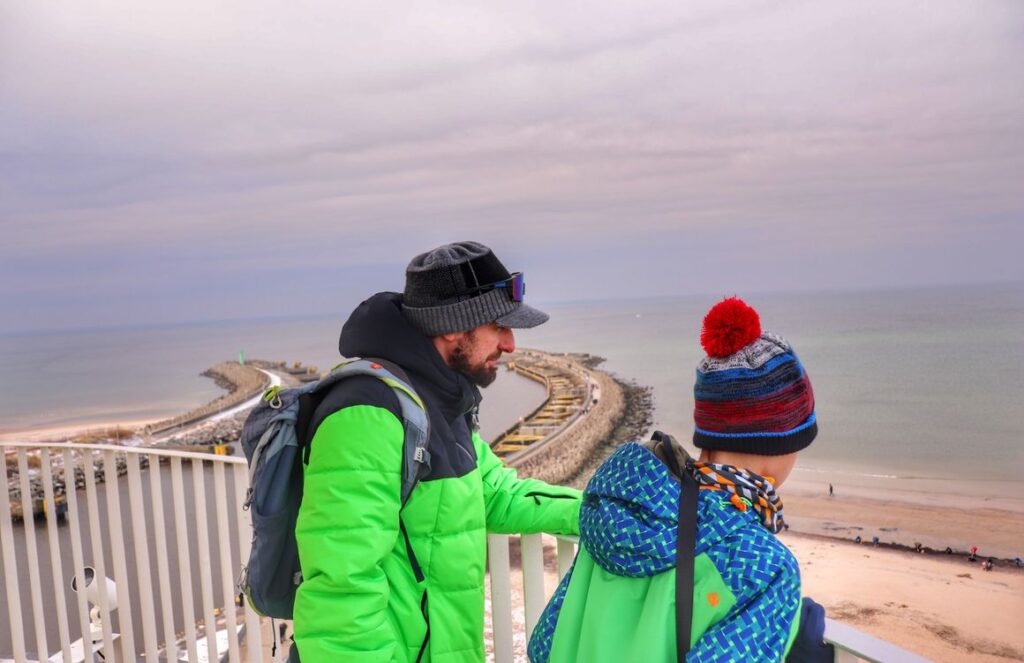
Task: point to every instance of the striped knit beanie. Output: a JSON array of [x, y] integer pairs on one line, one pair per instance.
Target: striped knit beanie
[[752, 393]]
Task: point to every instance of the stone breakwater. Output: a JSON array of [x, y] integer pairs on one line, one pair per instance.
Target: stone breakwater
[[187, 432], [620, 412], [242, 382], [613, 411]]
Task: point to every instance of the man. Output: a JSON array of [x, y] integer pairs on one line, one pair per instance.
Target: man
[[383, 582]]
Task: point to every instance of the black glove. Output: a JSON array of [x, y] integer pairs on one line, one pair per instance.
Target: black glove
[[809, 645]]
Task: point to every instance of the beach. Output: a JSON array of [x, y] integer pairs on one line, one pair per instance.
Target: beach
[[997, 532], [948, 610]]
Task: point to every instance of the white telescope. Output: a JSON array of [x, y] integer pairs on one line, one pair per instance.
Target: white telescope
[[93, 587]]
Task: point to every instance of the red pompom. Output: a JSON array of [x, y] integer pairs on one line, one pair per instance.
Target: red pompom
[[729, 326]]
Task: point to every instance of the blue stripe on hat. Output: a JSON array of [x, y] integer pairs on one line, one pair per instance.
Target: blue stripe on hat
[[714, 377], [783, 377]]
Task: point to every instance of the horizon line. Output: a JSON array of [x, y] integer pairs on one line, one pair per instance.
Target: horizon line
[[545, 302]]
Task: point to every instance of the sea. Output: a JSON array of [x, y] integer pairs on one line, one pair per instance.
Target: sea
[[919, 391]]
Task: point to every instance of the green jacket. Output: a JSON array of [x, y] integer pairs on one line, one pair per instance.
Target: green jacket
[[360, 599]]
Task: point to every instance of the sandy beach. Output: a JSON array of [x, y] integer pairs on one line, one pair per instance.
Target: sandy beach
[[49, 433], [946, 609], [997, 532]]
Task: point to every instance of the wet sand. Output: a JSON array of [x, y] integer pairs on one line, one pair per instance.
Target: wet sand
[[997, 532], [67, 431], [944, 608]]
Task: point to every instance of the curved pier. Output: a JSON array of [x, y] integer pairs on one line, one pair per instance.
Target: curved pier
[[586, 411], [243, 381]]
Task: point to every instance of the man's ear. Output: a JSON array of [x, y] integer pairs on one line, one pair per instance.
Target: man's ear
[[446, 342]]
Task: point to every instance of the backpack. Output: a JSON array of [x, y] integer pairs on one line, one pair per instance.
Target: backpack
[[273, 439]]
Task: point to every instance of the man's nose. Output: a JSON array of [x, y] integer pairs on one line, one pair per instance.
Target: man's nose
[[507, 341]]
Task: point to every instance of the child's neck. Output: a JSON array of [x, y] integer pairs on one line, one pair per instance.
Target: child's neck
[[775, 469]]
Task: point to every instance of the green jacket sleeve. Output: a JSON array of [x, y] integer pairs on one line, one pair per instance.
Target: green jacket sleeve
[[524, 506], [347, 525]]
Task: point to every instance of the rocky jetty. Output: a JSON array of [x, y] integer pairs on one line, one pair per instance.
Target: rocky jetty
[[213, 436], [618, 411], [242, 381], [623, 412]]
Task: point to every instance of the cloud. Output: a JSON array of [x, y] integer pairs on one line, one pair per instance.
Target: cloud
[[350, 133]]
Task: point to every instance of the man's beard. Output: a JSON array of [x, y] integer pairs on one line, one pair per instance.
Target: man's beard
[[479, 375]]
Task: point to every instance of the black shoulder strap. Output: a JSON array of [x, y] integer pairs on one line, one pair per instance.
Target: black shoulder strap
[[686, 545], [395, 369], [309, 402]]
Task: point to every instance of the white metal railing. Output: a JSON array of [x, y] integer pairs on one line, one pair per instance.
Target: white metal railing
[[166, 527], [145, 518]]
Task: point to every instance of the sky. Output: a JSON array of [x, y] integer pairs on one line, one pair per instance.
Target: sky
[[182, 161]]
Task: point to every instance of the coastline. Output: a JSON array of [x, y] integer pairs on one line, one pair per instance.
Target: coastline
[[898, 518], [996, 532]]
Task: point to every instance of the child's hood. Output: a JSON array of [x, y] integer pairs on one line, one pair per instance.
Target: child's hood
[[630, 513]]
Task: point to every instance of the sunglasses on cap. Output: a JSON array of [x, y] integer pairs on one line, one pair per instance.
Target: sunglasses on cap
[[516, 285]]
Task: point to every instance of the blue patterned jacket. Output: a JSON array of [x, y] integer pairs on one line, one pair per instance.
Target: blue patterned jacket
[[622, 605]]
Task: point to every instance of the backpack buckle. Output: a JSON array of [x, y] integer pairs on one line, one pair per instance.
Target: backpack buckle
[[273, 397]]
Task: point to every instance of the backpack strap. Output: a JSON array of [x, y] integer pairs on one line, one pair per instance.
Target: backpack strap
[[415, 421], [686, 546]]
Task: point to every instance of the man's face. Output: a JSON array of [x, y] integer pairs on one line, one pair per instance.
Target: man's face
[[476, 354]]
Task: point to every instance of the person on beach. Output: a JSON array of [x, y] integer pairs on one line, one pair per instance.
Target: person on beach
[[386, 582], [754, 412]]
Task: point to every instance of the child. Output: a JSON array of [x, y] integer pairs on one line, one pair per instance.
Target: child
[[754, 412]]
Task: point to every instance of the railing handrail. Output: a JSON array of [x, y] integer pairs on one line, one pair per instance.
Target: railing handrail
[[163, 451]]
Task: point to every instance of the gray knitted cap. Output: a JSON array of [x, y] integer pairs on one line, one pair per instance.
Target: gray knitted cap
[[446, 291]]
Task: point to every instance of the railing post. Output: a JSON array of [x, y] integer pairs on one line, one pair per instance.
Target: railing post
[[566, 555], [142, 568], [98, 562], [56, 567], [205, 560], [253, 636], [11, 577], [117, 541], [532, 553], [500, 570], [226, 576], [843, 656], [188, 609], [162, 563], [75, 525], [28, 520]]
